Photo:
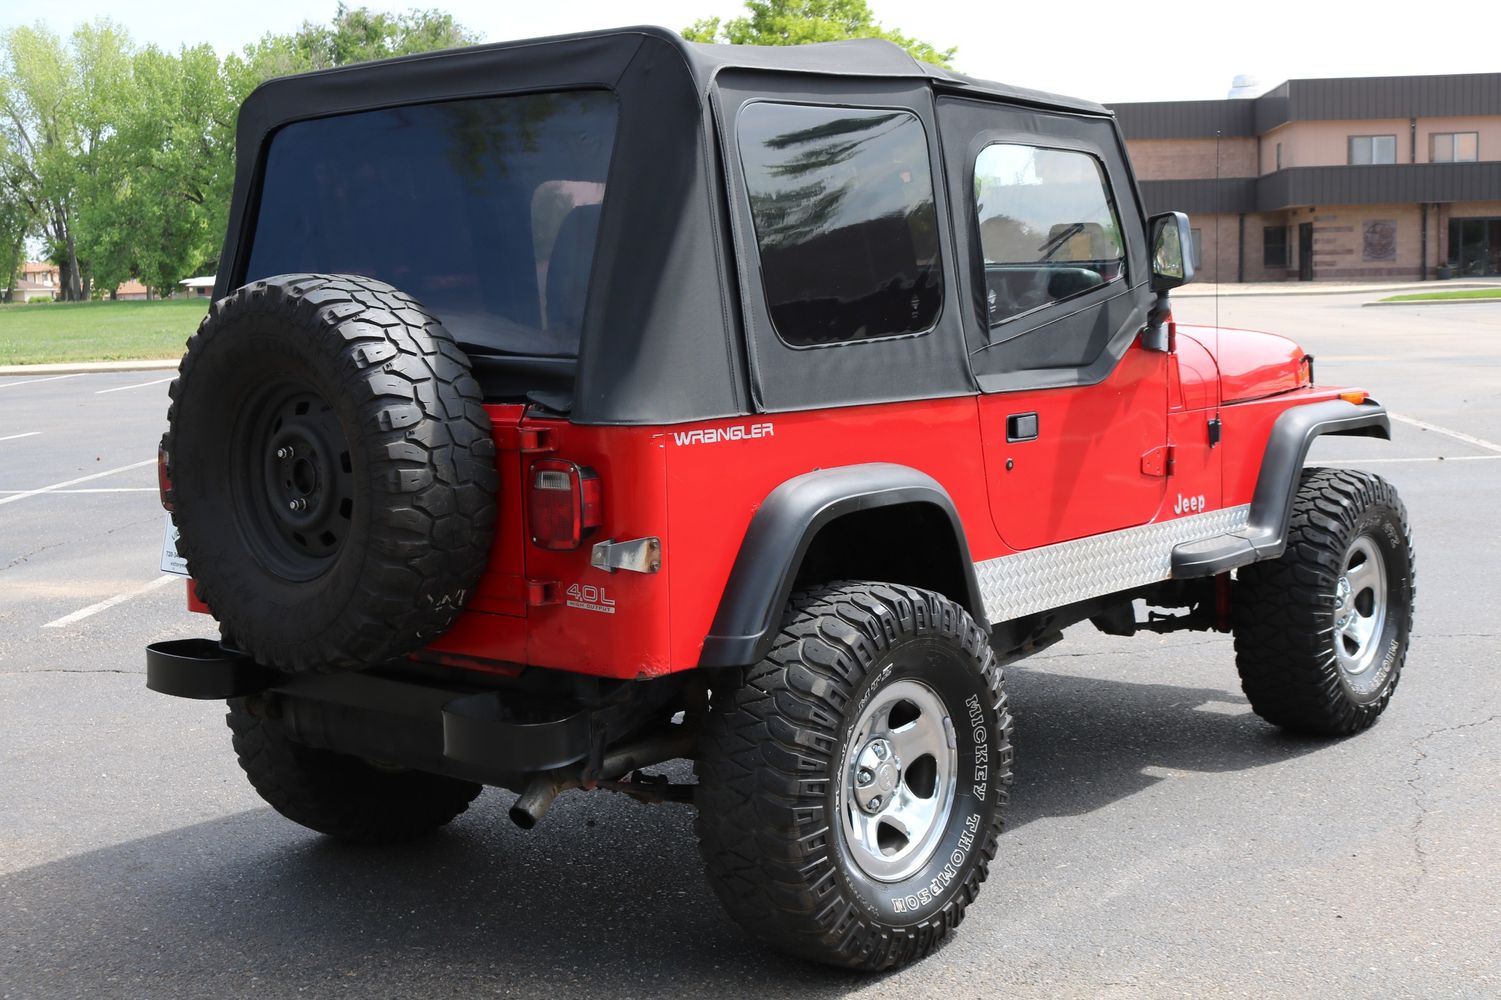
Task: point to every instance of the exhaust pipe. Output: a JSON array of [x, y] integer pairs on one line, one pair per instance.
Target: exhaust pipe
[[535, 799], [543, 789]]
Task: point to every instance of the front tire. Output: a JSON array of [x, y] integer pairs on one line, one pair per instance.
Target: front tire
[[1321, 633], [343, 797], [850, 788]]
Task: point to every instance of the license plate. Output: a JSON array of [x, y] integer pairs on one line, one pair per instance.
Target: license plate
[[171, 561]]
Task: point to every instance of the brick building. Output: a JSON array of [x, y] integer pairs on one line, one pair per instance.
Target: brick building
[[1349, 179]]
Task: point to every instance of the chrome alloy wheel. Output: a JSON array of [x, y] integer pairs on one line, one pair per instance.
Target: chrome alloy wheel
[[1360, 603], [898, 785]]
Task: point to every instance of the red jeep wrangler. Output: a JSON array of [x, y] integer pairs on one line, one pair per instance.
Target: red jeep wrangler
[[576, 405]]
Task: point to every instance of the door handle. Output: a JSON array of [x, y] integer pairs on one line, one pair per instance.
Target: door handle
[[1021, 427]]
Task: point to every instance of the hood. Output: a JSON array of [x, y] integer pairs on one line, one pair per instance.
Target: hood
[[1252, 364]]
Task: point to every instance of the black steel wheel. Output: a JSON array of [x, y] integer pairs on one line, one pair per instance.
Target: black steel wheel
[[850, 789], [333, 473], [294, 474]]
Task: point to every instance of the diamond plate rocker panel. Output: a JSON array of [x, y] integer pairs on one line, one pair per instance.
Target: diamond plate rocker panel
[[1058, 575]]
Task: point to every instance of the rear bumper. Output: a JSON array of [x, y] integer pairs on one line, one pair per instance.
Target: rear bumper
[[490, 735]]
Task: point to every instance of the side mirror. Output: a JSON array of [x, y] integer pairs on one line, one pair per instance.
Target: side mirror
[[1172, 263]]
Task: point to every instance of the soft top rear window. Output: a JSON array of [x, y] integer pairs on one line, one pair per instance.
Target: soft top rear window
[[486, 210]]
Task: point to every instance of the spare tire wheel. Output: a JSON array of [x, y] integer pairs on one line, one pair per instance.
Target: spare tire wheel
[[333, 475]]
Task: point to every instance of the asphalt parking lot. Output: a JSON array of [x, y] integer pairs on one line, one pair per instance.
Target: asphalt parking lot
[[1162, 840]]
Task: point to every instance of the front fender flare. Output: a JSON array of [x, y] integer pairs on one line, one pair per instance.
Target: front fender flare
[[1265, 533], [762, 578]]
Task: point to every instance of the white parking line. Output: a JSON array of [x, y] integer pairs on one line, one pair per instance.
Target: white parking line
[[14, 437], [1456, 435], [105, 605], [74, 482], [1422, 458], [138, 385], [111, 489], [28, 380]]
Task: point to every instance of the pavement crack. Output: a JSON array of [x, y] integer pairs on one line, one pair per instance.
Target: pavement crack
[[26, 556], [1419, 795], [23, 557]]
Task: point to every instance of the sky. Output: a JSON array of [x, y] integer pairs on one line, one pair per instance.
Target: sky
[[1107, 52]]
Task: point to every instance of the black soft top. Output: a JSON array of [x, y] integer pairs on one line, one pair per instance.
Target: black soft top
[[663, 336]]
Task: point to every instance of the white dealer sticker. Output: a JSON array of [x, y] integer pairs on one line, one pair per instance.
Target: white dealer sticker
[[171, 561]]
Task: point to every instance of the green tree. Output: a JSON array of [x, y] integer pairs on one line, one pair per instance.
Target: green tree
[[57, 102], [156, 209], [798, 22], [354, 35], [16, 220]]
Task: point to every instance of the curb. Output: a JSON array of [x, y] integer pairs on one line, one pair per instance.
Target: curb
[[92, 367], [1494, 300]]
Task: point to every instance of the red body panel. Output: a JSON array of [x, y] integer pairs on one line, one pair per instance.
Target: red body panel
[[1083, 473], [1132, 449], [1252, 365], [1194, 376]]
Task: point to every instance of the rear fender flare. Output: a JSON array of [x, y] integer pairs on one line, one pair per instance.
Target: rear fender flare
[[780, 533]]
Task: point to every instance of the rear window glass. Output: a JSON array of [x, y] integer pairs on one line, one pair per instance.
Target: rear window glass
[[842, 201], [486, 210]]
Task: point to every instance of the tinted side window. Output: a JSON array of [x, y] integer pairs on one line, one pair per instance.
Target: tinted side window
[[486, 210], [1048, 227], [842, 201]]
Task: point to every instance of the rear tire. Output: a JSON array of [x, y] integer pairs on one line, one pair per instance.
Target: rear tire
[[342, 796], [1321, 633], [850, 788]]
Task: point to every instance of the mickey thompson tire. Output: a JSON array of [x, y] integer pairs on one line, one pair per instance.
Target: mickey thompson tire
[[879, 710], [1321, 633], [333, 474], [341, 796]]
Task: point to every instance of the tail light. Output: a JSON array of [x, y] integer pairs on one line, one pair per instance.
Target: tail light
[[563, 503], [163, 477]]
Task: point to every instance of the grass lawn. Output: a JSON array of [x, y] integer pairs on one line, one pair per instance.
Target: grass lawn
[[96, 331], [1458, 293]]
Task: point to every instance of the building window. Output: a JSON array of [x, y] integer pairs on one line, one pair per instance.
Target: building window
[[1380, 242], [842, 200], [1048, 228], [1454, 147], [1274, 246], [1279, 156], [1367, 149], [1196, 238]]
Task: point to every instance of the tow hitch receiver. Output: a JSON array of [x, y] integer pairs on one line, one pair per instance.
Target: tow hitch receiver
[[203, 669]]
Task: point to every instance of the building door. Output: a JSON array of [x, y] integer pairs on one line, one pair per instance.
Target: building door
[[1475, 246], [1305, 251]]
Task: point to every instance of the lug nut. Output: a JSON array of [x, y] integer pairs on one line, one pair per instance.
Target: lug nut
[[879, 749], [297, 505], [865, 777], [874, 804], [284, 453]]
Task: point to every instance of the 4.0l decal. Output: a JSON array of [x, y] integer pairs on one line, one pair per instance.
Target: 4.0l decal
[[587, 597]]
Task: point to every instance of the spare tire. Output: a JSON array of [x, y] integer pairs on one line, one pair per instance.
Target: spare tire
[[332, 472]]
